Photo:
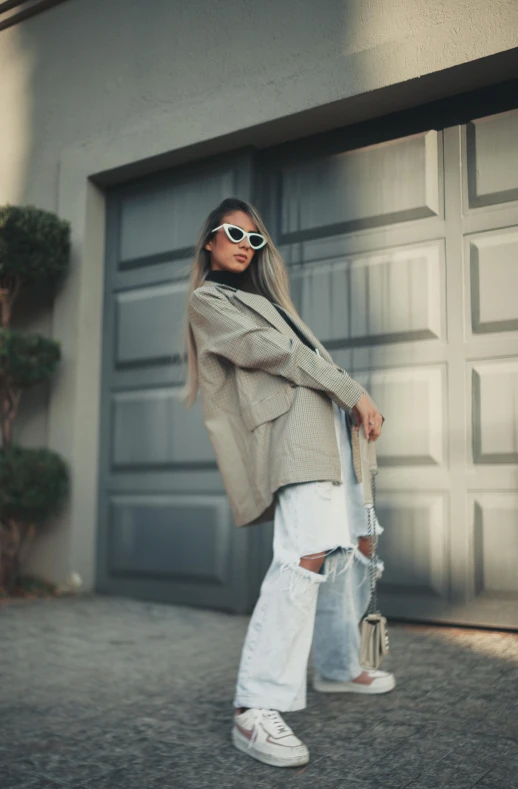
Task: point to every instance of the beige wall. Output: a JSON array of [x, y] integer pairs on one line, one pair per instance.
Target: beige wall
[[91, 86]]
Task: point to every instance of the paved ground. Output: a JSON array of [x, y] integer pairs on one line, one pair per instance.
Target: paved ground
[[102, 693]]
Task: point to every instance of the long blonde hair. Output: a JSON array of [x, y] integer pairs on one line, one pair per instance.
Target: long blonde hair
[[266, 275]]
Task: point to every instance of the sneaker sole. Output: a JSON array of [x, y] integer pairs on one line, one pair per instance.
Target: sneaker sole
[[242, 744], [384, 685]]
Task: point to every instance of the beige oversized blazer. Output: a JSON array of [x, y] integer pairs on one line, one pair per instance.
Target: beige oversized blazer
[[267, 399]]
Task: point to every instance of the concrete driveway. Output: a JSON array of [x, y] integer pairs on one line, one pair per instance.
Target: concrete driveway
[[105, 693]]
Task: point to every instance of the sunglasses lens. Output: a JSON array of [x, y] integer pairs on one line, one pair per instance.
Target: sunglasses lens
[[256, 240], [236, 234]]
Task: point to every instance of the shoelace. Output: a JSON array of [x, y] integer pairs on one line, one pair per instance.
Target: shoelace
[[276, 720]]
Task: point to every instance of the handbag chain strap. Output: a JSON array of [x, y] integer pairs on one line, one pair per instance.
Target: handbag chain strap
[[373, 602]]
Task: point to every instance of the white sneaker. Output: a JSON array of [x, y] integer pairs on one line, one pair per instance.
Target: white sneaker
[[382, 682], [264, 735]]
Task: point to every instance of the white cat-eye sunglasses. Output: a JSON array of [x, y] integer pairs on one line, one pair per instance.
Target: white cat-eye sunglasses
[[237, 234]]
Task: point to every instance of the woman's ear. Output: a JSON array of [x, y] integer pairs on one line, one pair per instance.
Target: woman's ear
[[208, 246]]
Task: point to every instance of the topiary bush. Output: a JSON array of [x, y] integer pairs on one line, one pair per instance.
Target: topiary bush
[[34, 483]]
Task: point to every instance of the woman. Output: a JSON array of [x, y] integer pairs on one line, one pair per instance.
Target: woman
[[275, 407]]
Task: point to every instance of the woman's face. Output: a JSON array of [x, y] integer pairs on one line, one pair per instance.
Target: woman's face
[[225, 255]]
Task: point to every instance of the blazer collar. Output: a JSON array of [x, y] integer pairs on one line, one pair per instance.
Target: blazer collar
[[265, 308]]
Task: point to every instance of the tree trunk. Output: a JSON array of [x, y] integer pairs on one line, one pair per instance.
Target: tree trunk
[[9, 289]]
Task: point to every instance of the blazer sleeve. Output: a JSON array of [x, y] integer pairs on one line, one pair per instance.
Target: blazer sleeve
[[223, 329]]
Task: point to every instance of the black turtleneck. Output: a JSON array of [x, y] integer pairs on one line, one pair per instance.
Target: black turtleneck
[[233, 278], [236, 279]]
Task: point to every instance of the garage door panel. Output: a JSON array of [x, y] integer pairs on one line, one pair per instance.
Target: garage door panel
[[396, 296], [184, 538], [321, 291], [492, 157], [414, 544], [495, 544], [356, 188], [165, 217], [146, 323], [493, 274], [494, 410], [412, 402], [152, 428]]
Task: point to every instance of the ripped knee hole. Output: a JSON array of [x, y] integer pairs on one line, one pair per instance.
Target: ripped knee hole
[[312, 562]]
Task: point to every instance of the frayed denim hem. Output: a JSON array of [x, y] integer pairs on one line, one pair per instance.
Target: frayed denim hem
[[340, 676], [366, 561], [255, 702]]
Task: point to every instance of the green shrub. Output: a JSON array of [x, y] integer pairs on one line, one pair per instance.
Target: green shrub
[[34, 244], [34, 483], [27, 359]]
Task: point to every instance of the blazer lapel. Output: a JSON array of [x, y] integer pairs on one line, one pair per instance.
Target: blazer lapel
[[309, 334], [265, 308]]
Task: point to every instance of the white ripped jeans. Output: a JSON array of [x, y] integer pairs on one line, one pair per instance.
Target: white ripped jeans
[[298, 608]]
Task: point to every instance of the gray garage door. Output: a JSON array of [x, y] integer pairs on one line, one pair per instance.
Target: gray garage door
[[403, 250], [403, 256]]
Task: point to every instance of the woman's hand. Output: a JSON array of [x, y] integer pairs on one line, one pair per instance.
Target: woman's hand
[[367, 415]]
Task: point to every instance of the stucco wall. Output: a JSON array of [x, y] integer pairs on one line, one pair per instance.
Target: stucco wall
[[89, 69], [98, 77]]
